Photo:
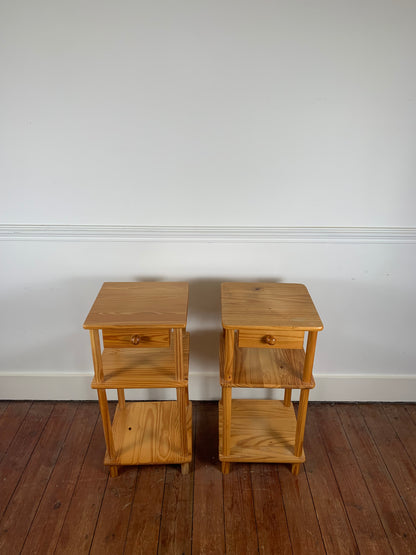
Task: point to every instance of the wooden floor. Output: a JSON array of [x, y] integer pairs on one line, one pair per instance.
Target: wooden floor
[[356, 492]]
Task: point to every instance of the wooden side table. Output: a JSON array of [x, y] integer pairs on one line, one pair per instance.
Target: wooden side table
[[264, 325], [145, 345]]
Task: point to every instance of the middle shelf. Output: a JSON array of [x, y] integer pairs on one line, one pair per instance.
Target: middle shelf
[[269, 368], [142, 368]]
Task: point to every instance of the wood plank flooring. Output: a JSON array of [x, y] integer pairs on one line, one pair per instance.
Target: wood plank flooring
[[356, 492]]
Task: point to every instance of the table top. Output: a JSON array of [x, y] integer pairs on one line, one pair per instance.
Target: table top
[[142, 304], [268, 306]]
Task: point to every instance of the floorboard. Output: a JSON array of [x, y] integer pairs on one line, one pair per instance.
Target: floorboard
[[20, 451], [387, 499], [208, 517], [271, 522], [336, 530], [22, 508], [11, 418], [362, 514], [356, 492], [46, 527]]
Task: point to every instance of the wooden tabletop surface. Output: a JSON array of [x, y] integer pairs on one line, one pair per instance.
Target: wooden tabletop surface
[[141, 304], [268, 306]]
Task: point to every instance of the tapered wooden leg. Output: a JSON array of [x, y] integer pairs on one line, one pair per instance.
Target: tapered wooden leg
[[226, 412], [225, 467], [108, 432], [114, 471], [288, 397], [295, 469], [300, 427], [182, 404], [185, 468], [121, 398]]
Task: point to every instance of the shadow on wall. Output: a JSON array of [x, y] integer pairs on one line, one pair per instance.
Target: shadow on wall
[[49, 316]]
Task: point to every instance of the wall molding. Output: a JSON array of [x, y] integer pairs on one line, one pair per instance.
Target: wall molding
[[207, 234], [205, 386]]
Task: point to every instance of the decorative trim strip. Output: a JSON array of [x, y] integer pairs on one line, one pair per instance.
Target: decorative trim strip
[[207, 234]]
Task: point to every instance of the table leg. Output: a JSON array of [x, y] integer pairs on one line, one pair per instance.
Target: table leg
[[226, 408], [108, 432], [300, 428]]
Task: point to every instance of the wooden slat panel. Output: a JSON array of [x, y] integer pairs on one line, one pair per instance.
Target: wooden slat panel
[[110, 533], [20, 450], [400, 466], [271, 523], [144, 525], [12, 417], [23, 506], [176, 518], [77, 532], [47, 524], [239, 517], [393, 514], [259, 498], [305, 534], [362, 514], [333, 521], [208, 518], [261, 431], [3, 407], [285, 339], [400, 418], [122, 339]]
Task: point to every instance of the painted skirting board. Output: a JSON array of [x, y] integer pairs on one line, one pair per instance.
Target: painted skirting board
[[205, 386]]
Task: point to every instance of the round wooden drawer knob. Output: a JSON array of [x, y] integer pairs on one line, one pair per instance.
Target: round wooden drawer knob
[[135, 339], [269, 339]]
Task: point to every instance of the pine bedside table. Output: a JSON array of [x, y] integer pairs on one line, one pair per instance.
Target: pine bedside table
[[262, 345], [145, 345]]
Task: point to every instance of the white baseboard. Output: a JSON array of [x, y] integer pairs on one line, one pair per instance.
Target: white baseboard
[[204, 386]]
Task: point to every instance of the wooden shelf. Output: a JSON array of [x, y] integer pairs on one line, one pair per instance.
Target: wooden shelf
[[142, 368], [269, 368], [261, 431], [149, 433]]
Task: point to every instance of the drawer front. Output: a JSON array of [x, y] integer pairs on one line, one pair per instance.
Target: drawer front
[[286, 339], [122, 339]]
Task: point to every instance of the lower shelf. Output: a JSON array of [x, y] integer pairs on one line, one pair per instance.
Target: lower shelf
[[261, 431], [149, 433]]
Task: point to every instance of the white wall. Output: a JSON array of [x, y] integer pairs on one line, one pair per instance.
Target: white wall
[[365, 294], [196, 113], [208, 114]]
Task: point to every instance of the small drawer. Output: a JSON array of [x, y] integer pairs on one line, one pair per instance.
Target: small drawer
[[122, 339], [285, 339]]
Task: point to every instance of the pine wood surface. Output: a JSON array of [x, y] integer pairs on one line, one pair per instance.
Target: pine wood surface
[[261, 431], [139, 304], [134, 338], [353, 493], [268, 306], [141, 368], [271, 339], [269, 368], [254, 367], [149, 433]]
